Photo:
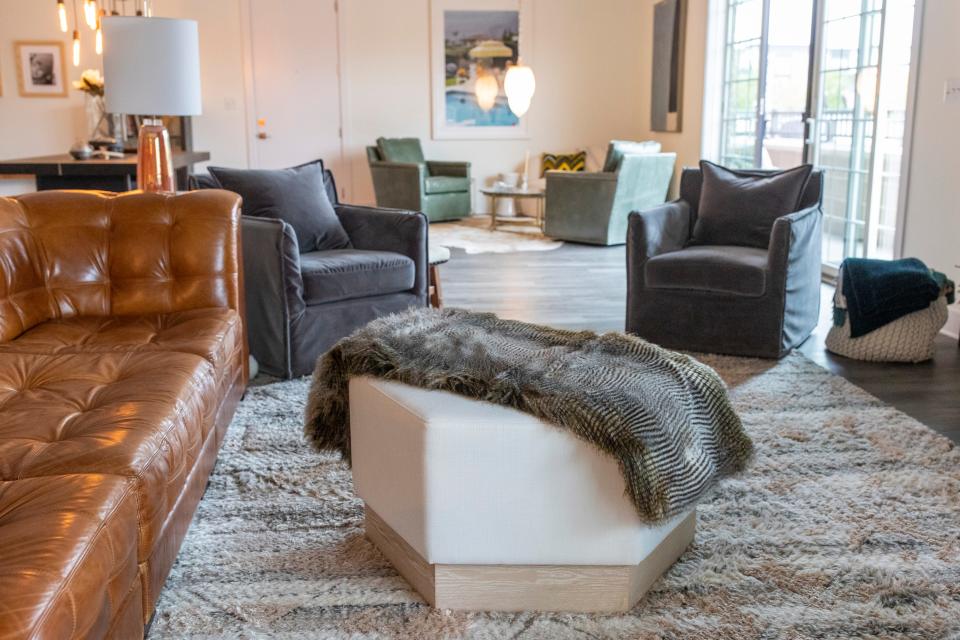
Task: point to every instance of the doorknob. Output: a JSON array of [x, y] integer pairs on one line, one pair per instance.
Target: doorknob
[[261, 124]]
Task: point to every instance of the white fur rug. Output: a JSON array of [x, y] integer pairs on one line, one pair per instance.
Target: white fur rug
[[473, 235]]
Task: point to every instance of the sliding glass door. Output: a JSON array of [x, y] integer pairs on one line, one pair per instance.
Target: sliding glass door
[[823, 81], [766, 92], [861, 86]]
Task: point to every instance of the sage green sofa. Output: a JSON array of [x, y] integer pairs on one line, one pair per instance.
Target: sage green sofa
[[403, 179], [593, 208]]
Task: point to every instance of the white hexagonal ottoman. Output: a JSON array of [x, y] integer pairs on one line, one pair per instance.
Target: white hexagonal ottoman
[[481, 507]]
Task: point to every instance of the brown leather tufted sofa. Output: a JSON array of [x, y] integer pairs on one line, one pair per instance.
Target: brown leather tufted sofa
[[122, 359]]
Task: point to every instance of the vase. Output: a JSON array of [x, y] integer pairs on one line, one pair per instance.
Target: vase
[[99, 123]]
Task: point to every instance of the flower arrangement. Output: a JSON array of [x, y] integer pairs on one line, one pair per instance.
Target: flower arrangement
[[90, 82]]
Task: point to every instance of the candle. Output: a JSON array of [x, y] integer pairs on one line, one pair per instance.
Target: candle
[[526, 165]]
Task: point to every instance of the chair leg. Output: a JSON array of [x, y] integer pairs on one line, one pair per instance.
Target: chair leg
[[436, 297]]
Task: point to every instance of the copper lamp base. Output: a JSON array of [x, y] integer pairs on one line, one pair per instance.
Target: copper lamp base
[[154, 158]]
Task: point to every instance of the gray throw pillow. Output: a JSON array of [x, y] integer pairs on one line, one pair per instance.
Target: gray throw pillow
[[296, 195], [739, 207]]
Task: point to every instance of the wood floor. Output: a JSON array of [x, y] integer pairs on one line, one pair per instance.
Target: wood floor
[[581, 287]]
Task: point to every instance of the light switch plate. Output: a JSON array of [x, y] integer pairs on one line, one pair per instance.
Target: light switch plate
[[951, 90]]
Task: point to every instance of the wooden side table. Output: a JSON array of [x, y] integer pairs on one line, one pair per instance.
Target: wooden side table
[[517, 193], [437, 256]]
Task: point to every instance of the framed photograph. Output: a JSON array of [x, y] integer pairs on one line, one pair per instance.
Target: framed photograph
[[471, 41], [41, 69]]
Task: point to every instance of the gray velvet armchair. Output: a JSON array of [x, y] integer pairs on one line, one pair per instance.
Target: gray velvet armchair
[[593, 207], [403, 179], [724, 299], [299, 304]]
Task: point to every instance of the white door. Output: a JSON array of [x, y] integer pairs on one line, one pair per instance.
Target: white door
[[294, 62]]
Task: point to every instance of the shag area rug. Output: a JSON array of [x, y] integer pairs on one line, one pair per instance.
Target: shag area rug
[[845, 525], [662, 415], [473, 235]]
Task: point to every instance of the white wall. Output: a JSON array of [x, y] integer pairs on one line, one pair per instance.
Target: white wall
[[221, 129], [686, 142], [586, 59], [932, 224]]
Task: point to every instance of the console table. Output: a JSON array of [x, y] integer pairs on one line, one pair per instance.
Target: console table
[[119, 174]]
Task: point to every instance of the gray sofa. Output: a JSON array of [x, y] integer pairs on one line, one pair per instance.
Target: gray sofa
[[724, 299], [299, 305], [593, 207]]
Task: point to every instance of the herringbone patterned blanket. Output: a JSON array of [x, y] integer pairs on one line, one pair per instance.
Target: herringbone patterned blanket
[[662, 415]]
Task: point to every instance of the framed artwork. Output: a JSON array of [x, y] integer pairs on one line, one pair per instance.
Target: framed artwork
[[475, 40], [41, 69], [666, 92]]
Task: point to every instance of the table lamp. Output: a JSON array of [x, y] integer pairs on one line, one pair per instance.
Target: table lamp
[[151, 68]]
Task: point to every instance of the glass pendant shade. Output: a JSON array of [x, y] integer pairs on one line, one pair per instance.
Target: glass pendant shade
[[62, 16], [519, 85], [486, 89], [90, 13], [76, 48]]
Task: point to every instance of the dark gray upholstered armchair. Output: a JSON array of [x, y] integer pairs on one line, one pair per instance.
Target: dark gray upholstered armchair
[[723, 299], [299, 305]]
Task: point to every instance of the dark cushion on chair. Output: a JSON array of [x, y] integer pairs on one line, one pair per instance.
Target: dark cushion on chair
[[446, 184], [728, 269], [401, 150], [296, 195], [740, 207], [329, 276]]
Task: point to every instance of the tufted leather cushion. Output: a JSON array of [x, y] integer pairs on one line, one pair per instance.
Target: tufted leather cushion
[[140, 415], [213, 334], [65, 254], [68, 566], [329, 276]]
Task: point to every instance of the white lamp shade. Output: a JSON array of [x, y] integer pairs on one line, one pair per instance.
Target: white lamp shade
[[151, 66], [519, 85]]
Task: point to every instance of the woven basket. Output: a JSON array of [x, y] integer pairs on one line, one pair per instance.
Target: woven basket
[[906, 339]]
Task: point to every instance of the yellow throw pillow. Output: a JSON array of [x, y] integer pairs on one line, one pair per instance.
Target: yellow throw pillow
[[562, 162]]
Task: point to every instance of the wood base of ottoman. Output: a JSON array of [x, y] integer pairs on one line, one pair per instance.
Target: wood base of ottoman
[[575, 588]]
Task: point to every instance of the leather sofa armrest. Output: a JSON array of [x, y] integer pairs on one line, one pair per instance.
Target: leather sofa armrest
[[445, 168], [400, 231], [274, 290]]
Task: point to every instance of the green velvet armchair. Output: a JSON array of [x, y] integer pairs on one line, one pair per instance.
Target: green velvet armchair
[[403, 179], [593, 208]]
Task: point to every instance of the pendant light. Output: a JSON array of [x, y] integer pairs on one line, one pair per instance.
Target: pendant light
[[486, 88], [76, 48], [62, 15], [90, 13], [519, 84], [76, 36]]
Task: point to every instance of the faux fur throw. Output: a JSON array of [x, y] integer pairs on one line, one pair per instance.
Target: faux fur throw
[[662, 415]]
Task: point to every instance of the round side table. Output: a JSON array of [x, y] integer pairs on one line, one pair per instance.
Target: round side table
[[516, 193]]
